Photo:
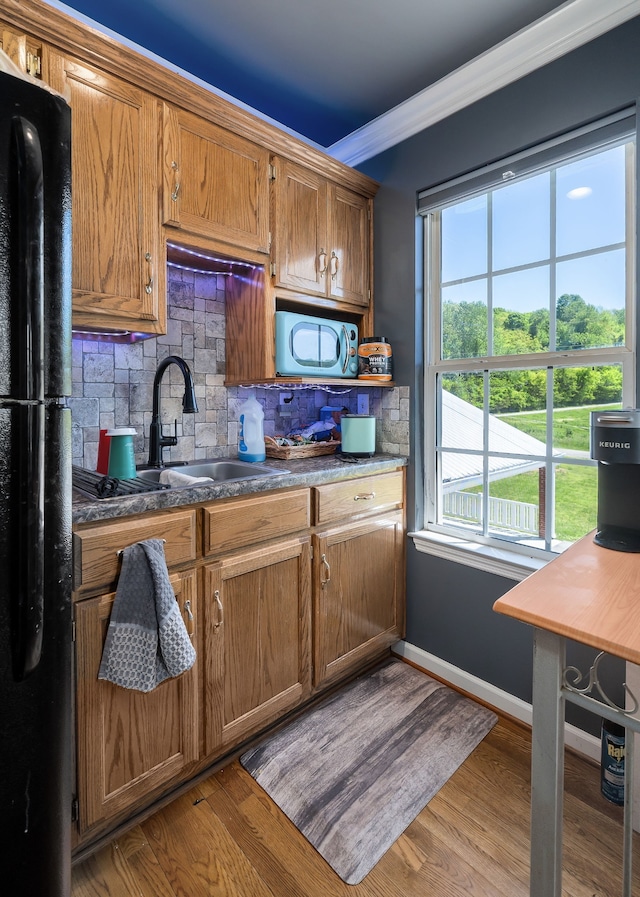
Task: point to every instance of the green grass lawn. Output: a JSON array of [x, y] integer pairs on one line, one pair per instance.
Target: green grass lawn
[[576, 497], [571, 426]]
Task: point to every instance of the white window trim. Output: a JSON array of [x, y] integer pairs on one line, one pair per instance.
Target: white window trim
[[511, 562], [489, 558]]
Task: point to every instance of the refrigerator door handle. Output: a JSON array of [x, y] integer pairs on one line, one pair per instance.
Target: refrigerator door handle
[[28, 327], [28, 540], [28, 385]]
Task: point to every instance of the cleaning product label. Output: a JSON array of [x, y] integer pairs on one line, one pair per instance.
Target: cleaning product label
[[612, 762]]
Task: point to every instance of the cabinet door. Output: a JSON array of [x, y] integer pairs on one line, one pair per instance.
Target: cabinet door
[[256, 619], [348, 275], [214, 183], [118, 263], [130, 744], [23, 50], [358, 579], [301, 249]]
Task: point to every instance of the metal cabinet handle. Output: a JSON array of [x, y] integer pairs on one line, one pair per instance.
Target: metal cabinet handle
[[189, 613], [216, 598], [148, 287], [335, 264], [176, 187], [364, 496], [326, 569], [322, 259]]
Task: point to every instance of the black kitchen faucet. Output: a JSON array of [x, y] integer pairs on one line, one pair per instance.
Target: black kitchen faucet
[[189, 406]]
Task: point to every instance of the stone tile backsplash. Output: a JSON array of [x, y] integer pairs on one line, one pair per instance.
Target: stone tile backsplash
[[113, 383]]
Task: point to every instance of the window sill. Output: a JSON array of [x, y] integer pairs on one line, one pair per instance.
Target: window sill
[[499, 561]]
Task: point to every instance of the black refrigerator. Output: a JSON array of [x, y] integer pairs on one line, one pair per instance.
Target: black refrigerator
[[35, 490]]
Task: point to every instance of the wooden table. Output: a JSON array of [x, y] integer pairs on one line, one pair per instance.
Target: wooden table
[[592, 595]]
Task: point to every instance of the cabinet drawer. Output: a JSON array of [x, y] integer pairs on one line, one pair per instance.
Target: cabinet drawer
[[365, 495], [96, 562], [245, 521]]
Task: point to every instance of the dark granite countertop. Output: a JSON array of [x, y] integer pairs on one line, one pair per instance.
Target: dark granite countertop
[[308, 472]]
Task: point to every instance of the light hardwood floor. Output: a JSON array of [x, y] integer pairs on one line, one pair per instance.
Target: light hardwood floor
[[226, 838]]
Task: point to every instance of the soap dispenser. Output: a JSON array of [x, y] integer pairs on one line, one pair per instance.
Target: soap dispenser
[[251, 443]]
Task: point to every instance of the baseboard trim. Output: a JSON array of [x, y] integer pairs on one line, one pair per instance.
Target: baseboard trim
[[582, 742]]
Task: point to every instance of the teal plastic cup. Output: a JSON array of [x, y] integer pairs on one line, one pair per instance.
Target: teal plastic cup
[[122, 461]]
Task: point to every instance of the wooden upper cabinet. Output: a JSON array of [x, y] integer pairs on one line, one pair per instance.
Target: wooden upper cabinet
[[348, 264], [24, 51], [300, 212], [321, 236], [214, 183], [118, 257]]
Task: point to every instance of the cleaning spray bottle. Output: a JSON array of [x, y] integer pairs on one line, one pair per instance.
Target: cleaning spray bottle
[[251, 443]]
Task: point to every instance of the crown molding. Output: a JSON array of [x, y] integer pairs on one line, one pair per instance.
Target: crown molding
[[564, 29]]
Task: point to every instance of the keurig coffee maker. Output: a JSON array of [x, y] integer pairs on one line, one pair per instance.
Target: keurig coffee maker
[[615, 445]]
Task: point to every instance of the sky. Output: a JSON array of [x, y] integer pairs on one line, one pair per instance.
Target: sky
[[590, 218]]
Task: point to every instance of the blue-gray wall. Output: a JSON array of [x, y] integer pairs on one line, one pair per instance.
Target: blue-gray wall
[[449, 606]]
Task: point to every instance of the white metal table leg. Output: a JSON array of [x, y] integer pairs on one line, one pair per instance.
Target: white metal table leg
[[547, 764], [627, 862]]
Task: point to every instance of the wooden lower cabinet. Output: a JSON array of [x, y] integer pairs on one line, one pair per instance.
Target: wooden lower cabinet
[[257, 637], [130, 744], [284, 593], [358, 576]]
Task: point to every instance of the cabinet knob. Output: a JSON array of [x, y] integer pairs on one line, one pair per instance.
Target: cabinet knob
[[335, 264], [322, 262], [364, 496]]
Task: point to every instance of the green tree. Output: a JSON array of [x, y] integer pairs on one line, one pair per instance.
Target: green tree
[[464, 329], [578, 325], [581, 326], [539, 327], [466, 386], [609, 386]]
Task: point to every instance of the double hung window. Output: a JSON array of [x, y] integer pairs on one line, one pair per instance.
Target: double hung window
[[529, 286]]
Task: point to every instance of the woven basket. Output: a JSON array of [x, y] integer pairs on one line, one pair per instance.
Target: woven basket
[[288, 452]]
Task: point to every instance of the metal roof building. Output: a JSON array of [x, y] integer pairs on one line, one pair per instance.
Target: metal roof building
[[463, 429]]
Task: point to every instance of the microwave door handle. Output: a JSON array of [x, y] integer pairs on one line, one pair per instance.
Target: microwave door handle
[[345, 363]]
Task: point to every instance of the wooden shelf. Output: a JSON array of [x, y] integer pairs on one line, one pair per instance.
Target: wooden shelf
[[274, 382]]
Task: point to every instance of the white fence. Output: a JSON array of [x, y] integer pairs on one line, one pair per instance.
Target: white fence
[[516, 516]]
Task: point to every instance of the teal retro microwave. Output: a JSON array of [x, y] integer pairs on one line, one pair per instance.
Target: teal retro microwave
[[315, 347]]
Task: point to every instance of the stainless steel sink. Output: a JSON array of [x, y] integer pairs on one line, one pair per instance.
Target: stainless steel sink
[[218, 469]]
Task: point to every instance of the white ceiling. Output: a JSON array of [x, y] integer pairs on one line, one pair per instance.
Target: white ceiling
[[326, 68]]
